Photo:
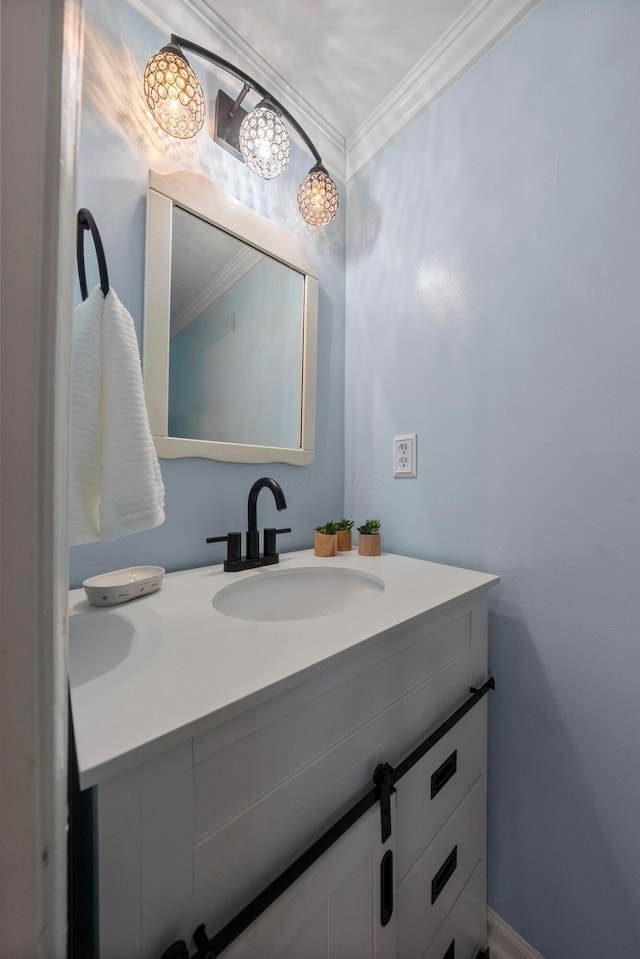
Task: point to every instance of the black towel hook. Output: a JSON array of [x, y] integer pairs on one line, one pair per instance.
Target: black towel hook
[[87, 222]]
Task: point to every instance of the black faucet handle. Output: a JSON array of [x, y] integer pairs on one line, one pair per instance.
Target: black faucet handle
[[270, 534], [234, 545]]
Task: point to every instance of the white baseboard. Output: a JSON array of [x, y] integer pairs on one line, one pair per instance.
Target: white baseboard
[[505, 943]]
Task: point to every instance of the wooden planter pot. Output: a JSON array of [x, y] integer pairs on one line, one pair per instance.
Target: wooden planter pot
[[325, 544], [369, 544], [344, 540]]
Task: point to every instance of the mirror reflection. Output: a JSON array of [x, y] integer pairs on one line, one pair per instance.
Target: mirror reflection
[[236, 339]]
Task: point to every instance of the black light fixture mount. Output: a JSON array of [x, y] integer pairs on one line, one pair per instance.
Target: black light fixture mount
[[226, 121], [258, 137]]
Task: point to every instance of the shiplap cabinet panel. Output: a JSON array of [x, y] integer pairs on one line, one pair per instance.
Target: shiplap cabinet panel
[[276, 751], [333, 911]]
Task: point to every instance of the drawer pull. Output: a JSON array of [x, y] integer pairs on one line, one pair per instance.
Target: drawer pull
[[442, 775], [451, 951], [386, 887], [444, 874]]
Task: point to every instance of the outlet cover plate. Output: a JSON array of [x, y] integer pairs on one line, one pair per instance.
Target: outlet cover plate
[[404, 455]]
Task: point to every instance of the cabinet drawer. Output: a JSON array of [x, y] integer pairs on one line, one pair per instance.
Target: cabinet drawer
[[433, 884], [464, 931], [429, 793]]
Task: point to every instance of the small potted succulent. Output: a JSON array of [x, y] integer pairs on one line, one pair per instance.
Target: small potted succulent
[[326, 540], [344, 527], [369, 539]]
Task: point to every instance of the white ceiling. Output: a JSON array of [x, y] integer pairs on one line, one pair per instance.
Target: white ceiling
[[354, 73], [342, 56]]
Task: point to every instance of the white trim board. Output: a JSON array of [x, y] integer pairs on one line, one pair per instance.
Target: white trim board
[[38, 240], [482, 24], [505, 943]]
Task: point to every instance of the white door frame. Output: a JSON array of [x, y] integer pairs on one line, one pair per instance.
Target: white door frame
[[41, 56]]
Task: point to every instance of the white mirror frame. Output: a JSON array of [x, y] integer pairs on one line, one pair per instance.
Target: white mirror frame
[[205, 199]]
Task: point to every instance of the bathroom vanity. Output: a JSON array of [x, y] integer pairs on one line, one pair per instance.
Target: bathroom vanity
[[226, 722]]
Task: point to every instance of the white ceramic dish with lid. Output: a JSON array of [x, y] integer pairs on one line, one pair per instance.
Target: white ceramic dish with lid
[[121, 585]]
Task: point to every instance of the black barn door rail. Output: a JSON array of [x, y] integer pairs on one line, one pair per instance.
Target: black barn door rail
[[385, 777]]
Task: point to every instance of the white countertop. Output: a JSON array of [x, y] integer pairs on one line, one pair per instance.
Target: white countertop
[[160, 669]]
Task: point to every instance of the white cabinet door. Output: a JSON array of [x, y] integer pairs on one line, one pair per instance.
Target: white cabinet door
[[334, 910]]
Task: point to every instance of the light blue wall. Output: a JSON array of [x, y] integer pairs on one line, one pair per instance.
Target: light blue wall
[[493, 306], [118, 145]]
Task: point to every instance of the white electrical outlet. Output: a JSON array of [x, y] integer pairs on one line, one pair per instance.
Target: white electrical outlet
[[404, 455]]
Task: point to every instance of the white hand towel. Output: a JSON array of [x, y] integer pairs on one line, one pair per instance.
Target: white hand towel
[[85, 447], [115, 485]]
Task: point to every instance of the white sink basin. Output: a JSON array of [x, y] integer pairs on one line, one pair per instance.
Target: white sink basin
[[303, 593]]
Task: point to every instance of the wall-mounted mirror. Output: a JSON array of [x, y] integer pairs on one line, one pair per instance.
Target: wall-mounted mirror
[[230, 328]]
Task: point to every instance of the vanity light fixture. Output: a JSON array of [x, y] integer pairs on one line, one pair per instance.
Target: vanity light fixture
[[174, 94], [259, 137], [264, 141]]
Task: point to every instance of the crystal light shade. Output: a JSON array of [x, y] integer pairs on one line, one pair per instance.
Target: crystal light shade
[[174, 94], [264, 141], [318, 197]]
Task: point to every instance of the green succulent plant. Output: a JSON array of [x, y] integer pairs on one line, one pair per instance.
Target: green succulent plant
[[329, 529], [370, 527], [344, 524]]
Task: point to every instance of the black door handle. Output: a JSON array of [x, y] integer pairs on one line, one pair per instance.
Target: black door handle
[[386, 887], [444, 874], [443, 773]]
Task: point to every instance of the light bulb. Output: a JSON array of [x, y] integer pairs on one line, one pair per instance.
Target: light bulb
[[264, 141], [174, 94], [318, 197]]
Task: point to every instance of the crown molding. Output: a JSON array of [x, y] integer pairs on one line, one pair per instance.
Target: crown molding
[[482, 24], [199, 20], [231, 274]]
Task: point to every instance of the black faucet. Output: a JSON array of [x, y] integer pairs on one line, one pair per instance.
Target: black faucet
[[234, 561], [253, 536]]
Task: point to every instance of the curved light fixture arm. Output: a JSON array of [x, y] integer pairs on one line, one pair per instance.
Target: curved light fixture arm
[[249, 81]]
